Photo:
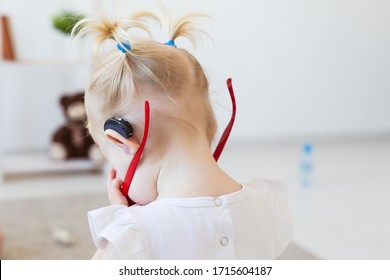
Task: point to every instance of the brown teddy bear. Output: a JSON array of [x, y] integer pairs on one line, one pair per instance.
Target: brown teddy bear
[[72, 140]]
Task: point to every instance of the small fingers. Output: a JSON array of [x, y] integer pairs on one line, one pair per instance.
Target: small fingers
[[116, 183], [111, 176], [114, 188]]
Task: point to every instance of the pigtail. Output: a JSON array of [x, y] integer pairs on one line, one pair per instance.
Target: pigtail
[[189, 27], [116, 30]]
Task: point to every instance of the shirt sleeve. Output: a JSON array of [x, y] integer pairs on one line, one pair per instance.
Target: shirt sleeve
[[275, 189], [115, 231]]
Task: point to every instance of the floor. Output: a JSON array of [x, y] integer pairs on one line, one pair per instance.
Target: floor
[[345, 214]]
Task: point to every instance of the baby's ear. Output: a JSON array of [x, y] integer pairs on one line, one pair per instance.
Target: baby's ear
[[129, 146]]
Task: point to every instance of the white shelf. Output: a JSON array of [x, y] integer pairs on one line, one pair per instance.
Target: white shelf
[[40, 163]]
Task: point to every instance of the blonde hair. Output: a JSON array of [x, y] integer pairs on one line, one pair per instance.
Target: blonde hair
[[173, 74]]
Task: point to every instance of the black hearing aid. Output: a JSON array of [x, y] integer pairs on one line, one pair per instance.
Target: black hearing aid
[[119, 125]]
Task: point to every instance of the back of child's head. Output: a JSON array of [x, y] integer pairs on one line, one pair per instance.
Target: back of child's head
[[142, 69]]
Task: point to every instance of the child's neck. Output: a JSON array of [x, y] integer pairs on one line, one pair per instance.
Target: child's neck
[[191, 172]]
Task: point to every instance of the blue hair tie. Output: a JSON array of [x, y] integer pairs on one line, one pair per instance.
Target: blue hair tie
[[171, 43], [124, 47]]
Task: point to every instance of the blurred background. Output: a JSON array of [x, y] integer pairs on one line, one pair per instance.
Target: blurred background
[[313, 97]]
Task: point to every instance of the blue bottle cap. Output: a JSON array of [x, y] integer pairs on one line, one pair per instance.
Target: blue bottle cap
[[308, 148]]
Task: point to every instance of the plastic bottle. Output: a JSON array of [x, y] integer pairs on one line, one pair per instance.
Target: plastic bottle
[[307, 165]]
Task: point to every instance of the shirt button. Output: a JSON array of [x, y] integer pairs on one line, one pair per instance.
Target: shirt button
[[218, 202], [224, 241]]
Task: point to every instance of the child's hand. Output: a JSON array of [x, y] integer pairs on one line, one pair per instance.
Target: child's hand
[[113, 188]]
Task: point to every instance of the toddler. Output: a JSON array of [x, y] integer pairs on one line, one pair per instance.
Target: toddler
[[182, 204]]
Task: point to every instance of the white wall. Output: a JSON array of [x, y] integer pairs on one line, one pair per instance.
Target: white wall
[[304, 67], [300, 68], [35, 39]]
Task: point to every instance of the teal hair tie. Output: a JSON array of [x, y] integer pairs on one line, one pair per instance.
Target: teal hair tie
[[171, 43], [124, 47]]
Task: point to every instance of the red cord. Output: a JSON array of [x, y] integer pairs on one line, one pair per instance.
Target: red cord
[[228, 129], [133, 165]]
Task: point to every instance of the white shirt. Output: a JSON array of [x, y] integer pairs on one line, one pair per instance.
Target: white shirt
[[253, 223]]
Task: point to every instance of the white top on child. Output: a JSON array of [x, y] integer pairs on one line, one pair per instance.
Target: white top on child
[[253, 223]]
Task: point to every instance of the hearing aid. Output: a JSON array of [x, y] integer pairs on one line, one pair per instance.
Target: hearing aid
[[119, 125]]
